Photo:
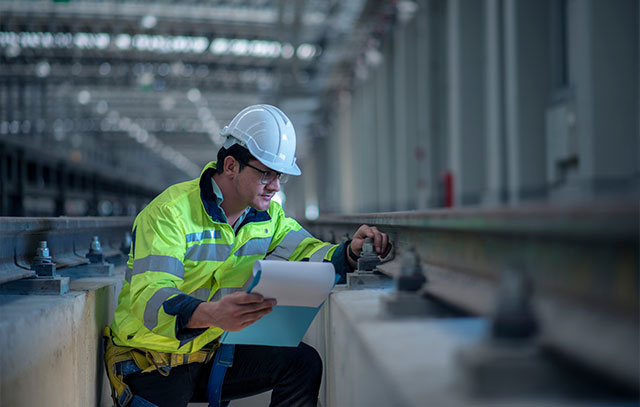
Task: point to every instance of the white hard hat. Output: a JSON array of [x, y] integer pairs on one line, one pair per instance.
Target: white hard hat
[[268, 134]]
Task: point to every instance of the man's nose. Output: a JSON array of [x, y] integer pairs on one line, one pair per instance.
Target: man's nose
[[274, 185]]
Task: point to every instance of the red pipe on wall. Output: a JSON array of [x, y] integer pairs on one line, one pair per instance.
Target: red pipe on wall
[[447, 183]]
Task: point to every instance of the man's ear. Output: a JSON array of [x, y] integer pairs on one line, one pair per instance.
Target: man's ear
[[230, 166]]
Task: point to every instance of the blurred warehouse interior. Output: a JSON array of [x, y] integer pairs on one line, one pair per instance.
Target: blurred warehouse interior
[[398, 105], [522, 116]]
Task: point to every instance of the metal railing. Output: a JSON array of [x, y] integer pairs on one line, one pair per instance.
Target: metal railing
[[582, 262], [68, 240]]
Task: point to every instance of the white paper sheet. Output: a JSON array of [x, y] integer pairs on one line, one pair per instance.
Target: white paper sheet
[[294, 283]]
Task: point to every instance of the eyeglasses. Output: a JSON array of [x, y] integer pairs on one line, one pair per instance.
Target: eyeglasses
[[269, 176]]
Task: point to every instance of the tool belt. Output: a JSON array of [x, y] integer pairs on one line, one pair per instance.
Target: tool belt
[[121, 361]]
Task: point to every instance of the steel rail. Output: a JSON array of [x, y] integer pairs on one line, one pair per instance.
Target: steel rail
[[581, 260], [68, 240]]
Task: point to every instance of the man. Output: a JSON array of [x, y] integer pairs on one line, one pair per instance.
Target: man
[[193, 250]]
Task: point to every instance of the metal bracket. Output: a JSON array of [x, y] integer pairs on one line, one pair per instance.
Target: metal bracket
[[368, 258], [55, 285], [366, 275], [504, 368], [89, 270], [358, 280], [405, 300], [404, 303]]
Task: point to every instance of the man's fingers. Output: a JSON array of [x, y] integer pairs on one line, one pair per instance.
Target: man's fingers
[[380, 240], [362, 232], [251, 298], [245, 320], [385, 243], [248, 309], [245, 298], [255, 316], [377, 239]]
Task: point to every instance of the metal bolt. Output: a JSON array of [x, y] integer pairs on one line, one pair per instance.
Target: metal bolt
[[95, 254], [513, 317], [42, 263], [42, 253], [410, 277], [95, 245], [367, 248], [368, 257], [411, 263]]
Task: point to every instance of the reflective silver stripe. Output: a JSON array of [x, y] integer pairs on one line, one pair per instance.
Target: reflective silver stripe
[[201, 294], [207, 234], [128, 274], [254, 246], [319, 255], [289, 244], [225, 291], [208, 251], [228, 290], [154, 304], [155, 262]]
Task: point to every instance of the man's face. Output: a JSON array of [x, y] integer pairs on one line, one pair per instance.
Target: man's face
[[249, 187]]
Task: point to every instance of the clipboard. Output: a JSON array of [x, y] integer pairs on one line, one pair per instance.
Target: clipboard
[[300, 289]]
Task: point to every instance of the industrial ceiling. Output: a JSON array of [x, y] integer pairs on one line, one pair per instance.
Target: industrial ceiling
[[158, 79]]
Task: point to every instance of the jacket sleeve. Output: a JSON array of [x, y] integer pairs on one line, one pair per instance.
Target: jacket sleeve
[[157, 269], [292, 242]]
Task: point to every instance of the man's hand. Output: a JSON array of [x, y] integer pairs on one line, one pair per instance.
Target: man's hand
[[380, 240], [232, 312]]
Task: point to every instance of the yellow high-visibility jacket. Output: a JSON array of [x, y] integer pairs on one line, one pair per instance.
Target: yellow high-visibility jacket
[[184, 252]]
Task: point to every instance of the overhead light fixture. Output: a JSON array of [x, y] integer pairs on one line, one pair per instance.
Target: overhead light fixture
[[13, 51], [287, 51], [193, 95], [148, 22], [43, 69], [406, 10], [305, 51], [76, 69], [102, 107], [123, 41], [84, 97], [104, 69], [167, 103]]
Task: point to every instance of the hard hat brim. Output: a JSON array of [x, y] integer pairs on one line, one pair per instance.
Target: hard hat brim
[[290, 170]]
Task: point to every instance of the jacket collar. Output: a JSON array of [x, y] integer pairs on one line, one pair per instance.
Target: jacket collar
[[211, 207]]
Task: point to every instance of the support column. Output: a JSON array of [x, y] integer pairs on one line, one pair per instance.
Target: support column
[[412, 114], [367, 174], [347, 191], [400, 133], [603, 67], [526, 62], [17, 204], [385, 142], [438, 97], [494, 124], [356, 132], [310, 186], [466, 101], [424, 153]]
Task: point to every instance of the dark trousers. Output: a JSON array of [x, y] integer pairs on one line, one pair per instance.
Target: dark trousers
[[294, 375]]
